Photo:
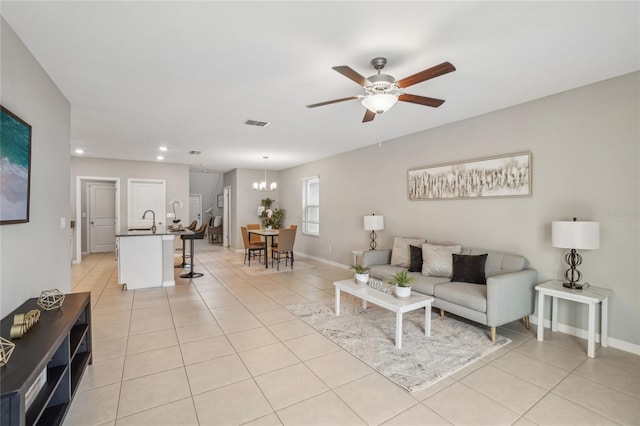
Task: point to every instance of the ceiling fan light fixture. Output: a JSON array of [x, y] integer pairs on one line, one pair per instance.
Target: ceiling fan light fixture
[[379, 103]]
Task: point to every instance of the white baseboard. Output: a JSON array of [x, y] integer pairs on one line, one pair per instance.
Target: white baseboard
[[319, 259], [579, 332]]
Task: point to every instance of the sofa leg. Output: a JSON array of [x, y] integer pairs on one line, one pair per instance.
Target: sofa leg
[[493, 334], [526, 322], [441, 313]]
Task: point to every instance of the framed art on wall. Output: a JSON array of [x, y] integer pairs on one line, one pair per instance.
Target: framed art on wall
[[220, 201], [504, 176], [15, 178]]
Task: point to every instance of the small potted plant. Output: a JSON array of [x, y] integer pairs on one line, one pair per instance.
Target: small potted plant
[[402, 282], [361, 273]]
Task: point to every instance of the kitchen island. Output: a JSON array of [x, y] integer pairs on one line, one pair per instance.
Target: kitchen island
[[145, 258]]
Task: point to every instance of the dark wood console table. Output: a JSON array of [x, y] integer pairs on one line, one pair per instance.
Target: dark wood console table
[[60, 345]]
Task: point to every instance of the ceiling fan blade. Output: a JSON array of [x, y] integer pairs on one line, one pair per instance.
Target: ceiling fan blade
[[352, 75], [368, 116], [420, 100], [427, 74], [350, 98]]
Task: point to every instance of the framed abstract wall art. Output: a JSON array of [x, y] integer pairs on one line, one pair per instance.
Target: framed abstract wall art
[[504, 176], [15, 168]]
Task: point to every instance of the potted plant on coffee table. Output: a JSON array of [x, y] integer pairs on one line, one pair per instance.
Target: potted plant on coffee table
[[402, 282], [361, 273]]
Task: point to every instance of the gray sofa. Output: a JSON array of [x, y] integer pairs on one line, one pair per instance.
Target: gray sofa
[[507, 296]]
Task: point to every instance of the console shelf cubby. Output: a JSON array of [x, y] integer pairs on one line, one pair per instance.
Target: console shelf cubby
[[48, 363]]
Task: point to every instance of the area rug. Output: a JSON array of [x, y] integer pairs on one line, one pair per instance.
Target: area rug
[[422, 361]]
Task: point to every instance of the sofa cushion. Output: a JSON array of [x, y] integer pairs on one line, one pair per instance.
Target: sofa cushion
[[426, 285], [472, 296], [415, 264], [384, 272], [400, 252], [499, 263], [437, 260], [469, 268], [422, 284]]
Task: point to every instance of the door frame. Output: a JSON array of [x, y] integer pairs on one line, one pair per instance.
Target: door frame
[[160, 216], [78, 225], [226, 216]]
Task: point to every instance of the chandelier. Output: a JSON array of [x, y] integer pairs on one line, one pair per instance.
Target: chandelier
[[262, 186]]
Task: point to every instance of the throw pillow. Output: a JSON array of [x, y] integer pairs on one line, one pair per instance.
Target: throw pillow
[[217, 221], [416, 259], [437, 260], [400, 255], [469, 268]]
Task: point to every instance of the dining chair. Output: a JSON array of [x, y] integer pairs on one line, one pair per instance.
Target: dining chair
[[284, 248], [275, 243], [253, 238], [251, 249]]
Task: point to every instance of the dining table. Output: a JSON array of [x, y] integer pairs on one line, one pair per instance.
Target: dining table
[[265, 233]]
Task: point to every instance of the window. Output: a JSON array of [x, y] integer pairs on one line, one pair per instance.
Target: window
[[311, 206]]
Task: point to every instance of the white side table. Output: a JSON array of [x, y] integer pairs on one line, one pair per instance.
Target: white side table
[[591, 296], [357, 253]]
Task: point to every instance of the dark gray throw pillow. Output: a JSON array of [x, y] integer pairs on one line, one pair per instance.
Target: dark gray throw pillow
[[416, 259], [469, 268]]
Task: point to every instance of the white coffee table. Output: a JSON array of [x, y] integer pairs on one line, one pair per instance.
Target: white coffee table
[[387, 301]]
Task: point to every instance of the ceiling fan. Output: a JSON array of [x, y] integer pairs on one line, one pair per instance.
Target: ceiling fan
[[383, 91]]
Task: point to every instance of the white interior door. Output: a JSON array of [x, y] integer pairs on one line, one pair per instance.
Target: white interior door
[[195, 208], [143, 195], [102, 217]]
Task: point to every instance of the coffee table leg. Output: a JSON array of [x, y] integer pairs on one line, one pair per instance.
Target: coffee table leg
[[337, 302], [398, 329], [427, 320]]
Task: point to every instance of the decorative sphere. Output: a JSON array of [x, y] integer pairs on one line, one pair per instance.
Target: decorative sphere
[[51, 299]]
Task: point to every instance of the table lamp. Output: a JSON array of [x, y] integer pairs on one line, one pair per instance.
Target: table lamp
[[373, 223], [575, 235]]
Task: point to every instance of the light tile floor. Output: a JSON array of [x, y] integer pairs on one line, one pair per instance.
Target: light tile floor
[[222, 350]]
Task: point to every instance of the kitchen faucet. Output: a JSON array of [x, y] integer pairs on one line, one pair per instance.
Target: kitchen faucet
[[153, 227]]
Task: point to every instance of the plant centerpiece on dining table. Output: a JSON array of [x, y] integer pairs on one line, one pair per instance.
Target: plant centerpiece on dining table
[[272, 218]]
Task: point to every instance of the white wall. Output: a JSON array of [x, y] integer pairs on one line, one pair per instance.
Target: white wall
[[175, 175], [36, 256], [586, 157], [209, 185], [245, 200]]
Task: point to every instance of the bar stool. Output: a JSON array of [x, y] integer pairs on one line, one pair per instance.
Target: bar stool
[[184, 256], [197, 235]]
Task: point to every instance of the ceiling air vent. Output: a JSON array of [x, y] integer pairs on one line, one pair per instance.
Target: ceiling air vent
[[257, 123], [195, 152]]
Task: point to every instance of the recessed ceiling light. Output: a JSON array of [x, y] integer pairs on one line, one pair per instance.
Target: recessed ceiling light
[[79, 151], [159, 157], [163, 148]]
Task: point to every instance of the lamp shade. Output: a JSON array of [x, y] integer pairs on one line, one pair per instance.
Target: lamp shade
[[379, 103], [575, 235], [373, 223]]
